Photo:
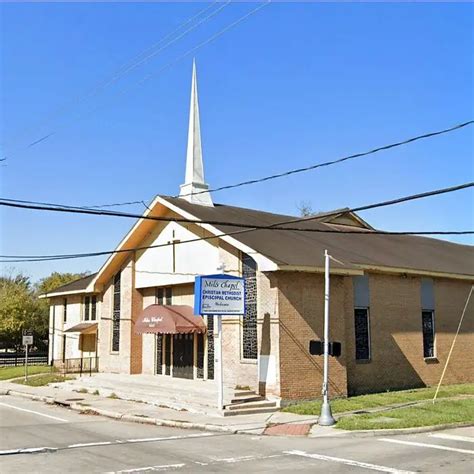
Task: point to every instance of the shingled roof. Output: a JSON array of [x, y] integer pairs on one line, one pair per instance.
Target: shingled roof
[[362, 249], [80, 284]]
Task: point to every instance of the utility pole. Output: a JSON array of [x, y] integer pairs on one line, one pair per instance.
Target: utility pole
[[326, 418]]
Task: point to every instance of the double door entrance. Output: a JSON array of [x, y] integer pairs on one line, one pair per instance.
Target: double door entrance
[[183, 356], [180, 355]]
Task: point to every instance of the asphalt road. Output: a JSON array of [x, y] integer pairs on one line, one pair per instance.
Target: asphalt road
[[39, 438]]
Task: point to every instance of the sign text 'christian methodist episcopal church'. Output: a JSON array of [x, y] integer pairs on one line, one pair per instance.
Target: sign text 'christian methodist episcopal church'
[[219, 295]]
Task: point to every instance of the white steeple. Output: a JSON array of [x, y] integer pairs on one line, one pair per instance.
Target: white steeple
[[194, 185]]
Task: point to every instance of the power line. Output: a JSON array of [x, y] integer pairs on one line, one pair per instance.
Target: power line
[[98, 212], [275, 176], [389, 202], [187, 53], [252, 228], [39, 258], [136, 61], [333, 162]]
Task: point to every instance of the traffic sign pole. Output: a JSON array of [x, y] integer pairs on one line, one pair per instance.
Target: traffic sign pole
[[26, 363]]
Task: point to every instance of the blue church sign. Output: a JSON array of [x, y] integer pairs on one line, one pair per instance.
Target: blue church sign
[[219, 295]]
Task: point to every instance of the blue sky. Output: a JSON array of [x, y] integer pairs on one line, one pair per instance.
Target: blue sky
[[290, 86]]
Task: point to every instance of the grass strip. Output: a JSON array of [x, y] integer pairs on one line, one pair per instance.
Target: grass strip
[[13, 372], [426, 414], [376, 400], [41, 380]]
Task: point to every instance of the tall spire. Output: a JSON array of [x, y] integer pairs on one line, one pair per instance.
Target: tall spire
[[194, 188]]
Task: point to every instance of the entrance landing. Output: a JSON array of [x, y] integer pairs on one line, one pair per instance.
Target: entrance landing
[[198, 396]]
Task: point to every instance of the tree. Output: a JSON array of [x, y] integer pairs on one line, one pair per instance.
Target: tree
[[55, 280], [20, 307], [305, 209]]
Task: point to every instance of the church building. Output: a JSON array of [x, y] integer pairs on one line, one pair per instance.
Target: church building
[[395, 300]]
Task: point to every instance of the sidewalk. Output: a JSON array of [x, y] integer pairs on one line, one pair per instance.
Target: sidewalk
[[126, 410]]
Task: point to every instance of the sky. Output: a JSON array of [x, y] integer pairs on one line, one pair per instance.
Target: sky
[[292, 85]]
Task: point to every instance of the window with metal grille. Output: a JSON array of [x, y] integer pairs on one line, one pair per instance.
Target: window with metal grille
[[428, 333], [116, 314], [200, 356], [249, 330], [163, 296], [167, 341], [159, 354], [362, 333], [65, 309], [210, 347]]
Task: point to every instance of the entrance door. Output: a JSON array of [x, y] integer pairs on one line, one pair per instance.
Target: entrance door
[[183, 356]]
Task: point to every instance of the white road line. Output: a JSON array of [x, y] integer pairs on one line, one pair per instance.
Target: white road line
[[164, 438], [467, 439], [107, 443], [163, 467], [213, 460], [237, 459], [87, 445], [349, 462], [27, 450], [426, 445], [34, 412]]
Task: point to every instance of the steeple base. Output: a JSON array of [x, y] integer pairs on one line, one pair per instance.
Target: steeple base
[[196, 193]]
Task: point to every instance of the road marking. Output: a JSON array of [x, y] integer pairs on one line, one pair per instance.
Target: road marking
[[426, 445], [164, 438], [467, 439], [213, 460], [163, 467], [27, 450], [106, 443], [349, 462], [34, 412], [87, 445], [241, 459]]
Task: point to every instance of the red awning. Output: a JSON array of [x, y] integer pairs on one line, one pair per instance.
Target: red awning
[[169, 319]]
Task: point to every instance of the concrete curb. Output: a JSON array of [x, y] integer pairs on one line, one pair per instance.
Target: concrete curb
[[404, 431], [87, 409], [151, 421]]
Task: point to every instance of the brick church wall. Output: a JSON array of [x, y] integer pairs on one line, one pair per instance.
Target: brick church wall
[[397, 360], [301, 318]]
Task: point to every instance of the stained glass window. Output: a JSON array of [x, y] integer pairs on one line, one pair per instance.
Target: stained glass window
[[362, 336], [116, 314], [249, 332], [428, 333]]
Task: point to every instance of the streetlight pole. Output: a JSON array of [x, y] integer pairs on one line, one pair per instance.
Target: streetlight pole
[[326, 418]]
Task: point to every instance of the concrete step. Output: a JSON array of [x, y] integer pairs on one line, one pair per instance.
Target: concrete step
[[243, 393], [259, 404], [249, 411], [247, 399]]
